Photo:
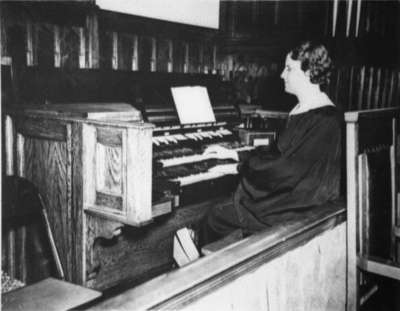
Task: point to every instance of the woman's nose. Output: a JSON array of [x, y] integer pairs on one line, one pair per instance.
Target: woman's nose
[[283, 74]]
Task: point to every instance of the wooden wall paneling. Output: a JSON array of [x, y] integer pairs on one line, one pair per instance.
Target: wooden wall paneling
[[114, 57], [153, 57], [144, 53], [125, 51], [338, 82], [82, 48], [8, 244], [369, 89], [178, 55], [105, 48], [93, 45], [391, 88], [397, 97], [200, 66], [31, 43], [361, 88], [77, 217], [208, 57], [170, 64], [349, 10], [46, 45], [194, 57], [162, 59], [378, 83], [57, 46], [186, 58], [351, 88], [385, 88], [69, 46], [135, 53], [276, 12], [345, 86], [359, 3]]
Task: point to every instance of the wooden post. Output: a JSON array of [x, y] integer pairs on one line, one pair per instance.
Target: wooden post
[[352, 203]]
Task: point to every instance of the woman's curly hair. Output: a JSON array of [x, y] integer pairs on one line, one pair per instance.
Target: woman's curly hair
[[315, 58]]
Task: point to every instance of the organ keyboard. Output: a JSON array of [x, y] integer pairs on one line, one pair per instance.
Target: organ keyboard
[[182, 172]]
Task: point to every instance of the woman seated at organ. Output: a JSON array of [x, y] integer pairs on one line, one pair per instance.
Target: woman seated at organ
[[302, 170]]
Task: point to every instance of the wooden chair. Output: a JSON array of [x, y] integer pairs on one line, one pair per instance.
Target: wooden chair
[[373, 212], [22, 206]]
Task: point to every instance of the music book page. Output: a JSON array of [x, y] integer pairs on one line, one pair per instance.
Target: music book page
[[193, 104]]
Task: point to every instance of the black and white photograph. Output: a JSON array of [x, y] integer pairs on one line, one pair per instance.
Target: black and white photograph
[[200, 155]]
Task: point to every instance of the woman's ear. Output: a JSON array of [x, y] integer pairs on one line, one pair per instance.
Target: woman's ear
[[307, 73]]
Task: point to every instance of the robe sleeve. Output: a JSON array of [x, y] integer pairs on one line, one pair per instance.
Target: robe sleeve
[[284, 169]]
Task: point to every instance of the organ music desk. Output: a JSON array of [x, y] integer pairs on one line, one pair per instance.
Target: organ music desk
[[112, 210]]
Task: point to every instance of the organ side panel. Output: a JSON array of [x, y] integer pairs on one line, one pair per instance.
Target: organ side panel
[[43, 156]]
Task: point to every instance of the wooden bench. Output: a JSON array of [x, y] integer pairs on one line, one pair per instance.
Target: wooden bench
[[49, 294]]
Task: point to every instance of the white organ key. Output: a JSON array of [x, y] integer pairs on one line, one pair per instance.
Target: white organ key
[[155, 141], [163, 140], [192, 136], [171, 138], [198, 135], [191, 179], [180, 137], [196, 157], [185, 159]]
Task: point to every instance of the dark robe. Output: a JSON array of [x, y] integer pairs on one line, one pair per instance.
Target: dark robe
[[300, 172]]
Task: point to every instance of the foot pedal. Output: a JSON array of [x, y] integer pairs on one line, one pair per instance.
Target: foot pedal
[[185, 250]]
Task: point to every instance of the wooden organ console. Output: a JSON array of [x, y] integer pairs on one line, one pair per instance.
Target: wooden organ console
[[118, 182]]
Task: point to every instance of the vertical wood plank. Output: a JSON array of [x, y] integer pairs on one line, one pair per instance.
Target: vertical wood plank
[[114, 61], [135, 53], [276, 13], [358, 16], [370, 81], [394, 187], [9, 145], [334, 16], [153, 58], [385, 89], [20, 242], [377, 88], [214, 59], [89, 164], [391, 89], [138, 179], [186, 58], [170, 65], [348, 18], [77, 223], [57, 47], [82, 48], [92, 27], [361, 88], [352, 203]]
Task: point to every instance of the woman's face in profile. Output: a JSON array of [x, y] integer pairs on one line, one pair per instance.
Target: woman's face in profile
[[293, 76]]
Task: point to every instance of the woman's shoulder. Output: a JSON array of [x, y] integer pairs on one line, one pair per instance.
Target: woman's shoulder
[[327, 113]]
